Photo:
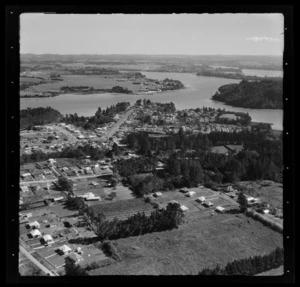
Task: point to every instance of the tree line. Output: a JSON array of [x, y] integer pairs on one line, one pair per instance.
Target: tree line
[[249, 266], [68, 152], [138, 224]]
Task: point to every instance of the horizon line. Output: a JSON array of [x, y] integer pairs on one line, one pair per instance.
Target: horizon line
[[97, 54]]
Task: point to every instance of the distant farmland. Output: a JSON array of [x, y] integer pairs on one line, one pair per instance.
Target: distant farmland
[[195, 245], [94, 81]]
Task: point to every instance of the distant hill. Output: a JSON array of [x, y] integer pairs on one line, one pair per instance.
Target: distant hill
[[264, 94]]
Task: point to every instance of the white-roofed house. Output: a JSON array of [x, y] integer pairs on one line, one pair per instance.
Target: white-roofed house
[[63, 250], [190, 193], [220, 209], [35, 233], [183, 208], [48, 239], [200, 199]]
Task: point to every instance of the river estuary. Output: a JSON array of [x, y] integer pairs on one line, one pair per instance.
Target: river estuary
[[197, 93]]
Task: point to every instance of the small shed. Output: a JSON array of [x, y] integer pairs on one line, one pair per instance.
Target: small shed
[[184, 190], [55, 199], [266, 211], [183, 208], [35, 233], [157, 194], [220, 209], [91, 198]]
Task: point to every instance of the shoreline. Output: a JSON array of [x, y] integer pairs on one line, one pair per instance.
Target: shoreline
[[236, 106]]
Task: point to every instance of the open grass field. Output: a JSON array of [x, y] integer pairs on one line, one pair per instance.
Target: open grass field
[[274, 272], [195, 245]]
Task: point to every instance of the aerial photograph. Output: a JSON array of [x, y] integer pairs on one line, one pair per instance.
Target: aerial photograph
[[151, 144]]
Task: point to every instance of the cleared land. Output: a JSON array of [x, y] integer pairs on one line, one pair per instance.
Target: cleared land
[[195, 245]]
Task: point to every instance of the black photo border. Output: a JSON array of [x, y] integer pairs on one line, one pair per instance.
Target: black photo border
[[12, 139]]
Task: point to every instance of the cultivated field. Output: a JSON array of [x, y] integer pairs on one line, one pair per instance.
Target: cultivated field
[[123, 209], [195, 245]]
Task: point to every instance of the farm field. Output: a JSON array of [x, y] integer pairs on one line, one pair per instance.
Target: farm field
[[122, 209], [95, 81], [193, 246]]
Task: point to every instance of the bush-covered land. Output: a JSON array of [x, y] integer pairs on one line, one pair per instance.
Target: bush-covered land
[[263, 94], [100, 117], [189, 161], [250, 266], [38, 116]]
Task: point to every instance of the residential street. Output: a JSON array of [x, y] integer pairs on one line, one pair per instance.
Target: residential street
[[36, 262], [117, 125]]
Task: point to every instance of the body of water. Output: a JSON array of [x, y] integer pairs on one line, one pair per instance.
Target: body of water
[[197, 93]]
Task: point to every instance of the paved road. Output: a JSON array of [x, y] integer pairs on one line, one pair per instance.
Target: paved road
[[36, 262], [117, 125], [54, 180]]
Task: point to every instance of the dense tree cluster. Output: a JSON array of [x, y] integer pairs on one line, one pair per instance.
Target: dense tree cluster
[[65, 184], [69, 152], [135, 165], [139, 224], [264, 94], [38, 116], [250, 266], [72, 269], [261, 157], [169, 84], [101, 116], [145, 185]]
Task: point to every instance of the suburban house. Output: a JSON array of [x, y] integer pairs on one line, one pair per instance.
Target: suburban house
[[33, 224], [48, 239], [190, 193], [35, 233], [76, 257], [24, 188], [63, 250], [157, 194], [208, 204], [201, 199]]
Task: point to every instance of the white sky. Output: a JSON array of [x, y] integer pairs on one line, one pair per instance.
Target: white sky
[[186, 34]]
